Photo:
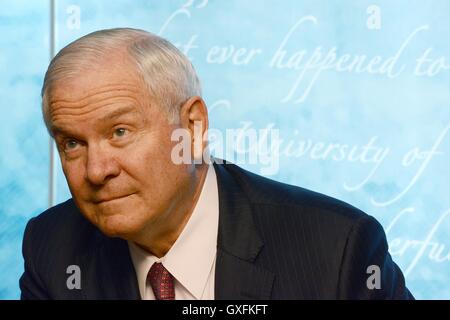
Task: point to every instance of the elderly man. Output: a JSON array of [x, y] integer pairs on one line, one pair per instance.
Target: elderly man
[[143, 226]]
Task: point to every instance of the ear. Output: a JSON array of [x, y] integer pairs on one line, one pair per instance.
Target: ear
[[194, 118]]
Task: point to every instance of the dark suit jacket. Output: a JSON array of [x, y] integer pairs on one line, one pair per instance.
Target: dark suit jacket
[[275, 241]]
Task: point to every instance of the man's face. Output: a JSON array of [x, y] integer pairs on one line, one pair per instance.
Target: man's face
[[114, 144]]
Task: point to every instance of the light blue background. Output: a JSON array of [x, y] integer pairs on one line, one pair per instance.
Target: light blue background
[[399, 114]]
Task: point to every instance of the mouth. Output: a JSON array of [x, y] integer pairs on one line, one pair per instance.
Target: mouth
[[110, 199]]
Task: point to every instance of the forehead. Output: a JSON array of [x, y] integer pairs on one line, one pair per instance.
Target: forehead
[[112, 76], [95, 93]]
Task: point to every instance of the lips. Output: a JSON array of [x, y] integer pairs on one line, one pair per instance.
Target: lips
[[107, 199]]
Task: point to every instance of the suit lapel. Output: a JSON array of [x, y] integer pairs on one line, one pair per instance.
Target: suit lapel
[[109, 271], [238, 245], [237, 279]]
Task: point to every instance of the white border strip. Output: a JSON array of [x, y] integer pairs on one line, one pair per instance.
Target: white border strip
[[52, 149]]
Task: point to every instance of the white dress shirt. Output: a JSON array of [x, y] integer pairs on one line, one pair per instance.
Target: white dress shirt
[[192, 258]]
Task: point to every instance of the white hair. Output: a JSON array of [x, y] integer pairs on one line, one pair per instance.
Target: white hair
[[168, 74]]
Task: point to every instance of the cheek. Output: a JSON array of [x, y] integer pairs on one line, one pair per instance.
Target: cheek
[[152, 166], [151, 150], [74, 176]]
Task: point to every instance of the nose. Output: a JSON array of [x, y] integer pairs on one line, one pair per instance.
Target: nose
[[101, 165]]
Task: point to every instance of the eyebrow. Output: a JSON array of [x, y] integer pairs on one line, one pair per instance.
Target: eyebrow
[[107, 117], [117, 113]]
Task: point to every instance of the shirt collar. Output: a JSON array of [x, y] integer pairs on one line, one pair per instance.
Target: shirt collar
[[191, 257]]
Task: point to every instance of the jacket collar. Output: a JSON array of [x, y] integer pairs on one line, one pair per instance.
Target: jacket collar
[[238, 243]]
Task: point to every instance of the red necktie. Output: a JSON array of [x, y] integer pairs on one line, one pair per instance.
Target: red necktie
[[162, 282]]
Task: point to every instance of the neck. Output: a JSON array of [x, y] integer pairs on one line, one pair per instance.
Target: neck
[[160, 236]]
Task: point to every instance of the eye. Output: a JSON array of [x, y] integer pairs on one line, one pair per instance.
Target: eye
[[120, 132], [70, 144]]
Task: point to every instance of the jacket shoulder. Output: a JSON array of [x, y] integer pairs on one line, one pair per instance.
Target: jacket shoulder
[[59, 231], [306, 233], [62, 221], [262, 191]]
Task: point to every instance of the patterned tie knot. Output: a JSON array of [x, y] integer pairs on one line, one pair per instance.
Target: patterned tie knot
[[162, 282]]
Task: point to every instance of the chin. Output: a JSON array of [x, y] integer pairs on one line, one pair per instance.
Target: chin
[[118, 225], [114, 221], [116, 218]]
